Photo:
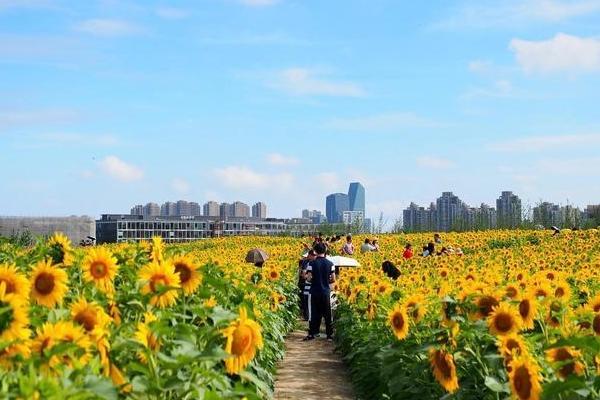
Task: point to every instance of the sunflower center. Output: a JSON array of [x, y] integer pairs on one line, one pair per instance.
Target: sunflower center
[[596, 324], [503, 322], [44, 283], [6, 316], [10, 285], [398, 321], [242, 339], [511, 292], [158, 281], [524, 308], [485, 305], [512, 344], [522, 381], [559, 292], [98, 270], [442, 365], [185, 274], [86, 318]]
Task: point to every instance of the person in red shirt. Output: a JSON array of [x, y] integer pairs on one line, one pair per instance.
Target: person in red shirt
[[408, 251]]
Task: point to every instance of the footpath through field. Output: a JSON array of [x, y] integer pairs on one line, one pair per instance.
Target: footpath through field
[[311, 370]]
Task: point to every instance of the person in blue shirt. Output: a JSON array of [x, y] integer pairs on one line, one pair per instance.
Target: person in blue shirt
[[321, 273]]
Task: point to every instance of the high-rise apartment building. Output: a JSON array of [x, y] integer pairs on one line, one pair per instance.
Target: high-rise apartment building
[[240, 209], [335, 205], [315, 216], [225, 210], [450, 209], [259, 210], [195, 209], [151, 210], [211, 209], [168, 209], [547, 214], [137, 210], [509, 210], [183, 208]]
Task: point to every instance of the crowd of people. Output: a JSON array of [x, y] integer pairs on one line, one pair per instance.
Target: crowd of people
[[316, 274]]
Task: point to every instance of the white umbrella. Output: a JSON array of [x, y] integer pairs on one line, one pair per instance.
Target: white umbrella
[[340, 261]]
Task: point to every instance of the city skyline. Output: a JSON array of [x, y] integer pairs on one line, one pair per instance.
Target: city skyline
[[105, 104]]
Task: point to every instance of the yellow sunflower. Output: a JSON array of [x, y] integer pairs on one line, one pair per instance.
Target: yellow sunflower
[[89, 315], [596, 324], [524, 378], [13, 318], [210, 302], [415, 307], [60, 250], [511, 346], [146, 337], [243, 338], [189, 277], [444, 369], [568, 359], [48, 284], [100, 268], [49, 335], [398, 320], [157, 249], [527, 311], [161, 281], [14, 281], [485, 305], [504, 320]]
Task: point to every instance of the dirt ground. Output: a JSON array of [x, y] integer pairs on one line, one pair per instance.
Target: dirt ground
[[311, 370]]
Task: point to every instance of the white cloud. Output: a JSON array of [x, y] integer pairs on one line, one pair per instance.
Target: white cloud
[[241, 177], [479, 66], [180, 185], [381, 122], [172, 13], [120, 170], [259, 3], [108, 27], [79, 139], [482, 15], [328, 180], [26, 118], [537, 143], [434, 162], [305, 82], [562, 53], [500, 89], [570, 167], [281, 160]]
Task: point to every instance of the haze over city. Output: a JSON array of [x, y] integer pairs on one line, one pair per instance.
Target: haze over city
[[107, 104]]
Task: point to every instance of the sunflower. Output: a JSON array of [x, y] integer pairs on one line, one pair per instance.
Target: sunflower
[[273, 274], [485, 305], [524, 379], [527, 311], [14, 281], [596, 324], [160, 280], [146, 337], [48, 284], [210, 302], [118, 379], [444, 369], [13, 318], [189, 277], [415, 307], [89, 315], [157, 249], [100, 268], [562, 291], [243, 338], [503, 320], [50, 335], [60, 250], [511, 346], [398, 320], [568, 359], [594, 304], [511, 291]]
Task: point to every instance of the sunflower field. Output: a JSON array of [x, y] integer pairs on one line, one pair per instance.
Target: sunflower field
[[142, 321], [517, 315]]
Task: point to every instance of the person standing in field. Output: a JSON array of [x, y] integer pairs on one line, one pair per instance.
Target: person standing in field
[[304, 284], [408, 251], [348, 248], [320, 273]]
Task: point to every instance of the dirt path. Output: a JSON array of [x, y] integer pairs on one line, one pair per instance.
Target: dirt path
[[311, 370]]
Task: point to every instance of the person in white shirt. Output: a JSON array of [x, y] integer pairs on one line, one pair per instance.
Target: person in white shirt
[[366, 247]]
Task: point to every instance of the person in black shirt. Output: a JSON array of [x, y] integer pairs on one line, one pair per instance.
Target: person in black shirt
[[303, 285], [321, 273]]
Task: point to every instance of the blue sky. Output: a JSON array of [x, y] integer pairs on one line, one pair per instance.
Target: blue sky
[[106, 104]]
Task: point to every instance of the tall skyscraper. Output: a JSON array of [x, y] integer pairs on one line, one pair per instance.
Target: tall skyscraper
[[259, 210], [137, 210], [508, 208], [183, 208], [450, 211], [240, 209], [356, 197], [335, 205], [168, 209], [211, 209], [151, 210]]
